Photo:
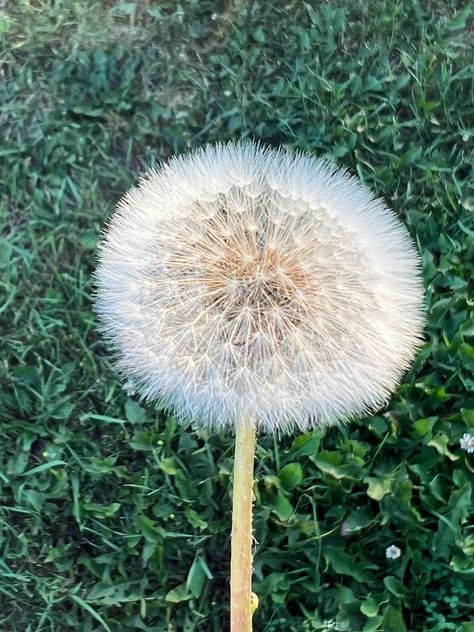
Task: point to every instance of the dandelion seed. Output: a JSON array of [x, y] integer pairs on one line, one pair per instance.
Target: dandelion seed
[[392, 552], [467, 442]]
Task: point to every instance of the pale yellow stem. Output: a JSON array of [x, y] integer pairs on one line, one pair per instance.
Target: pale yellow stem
[[241, 546]]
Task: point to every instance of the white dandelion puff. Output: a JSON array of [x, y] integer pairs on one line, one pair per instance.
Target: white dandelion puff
[[392, 552], [467, 442], [238, 278]]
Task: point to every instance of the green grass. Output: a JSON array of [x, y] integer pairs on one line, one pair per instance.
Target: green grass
[[111, 516]]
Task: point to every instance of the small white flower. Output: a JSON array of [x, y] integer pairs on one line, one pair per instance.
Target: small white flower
[[345, 529], [467, 442], [329, 624], [392, 552], [214, 16]]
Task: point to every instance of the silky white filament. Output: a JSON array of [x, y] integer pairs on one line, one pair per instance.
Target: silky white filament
[[238, 278]]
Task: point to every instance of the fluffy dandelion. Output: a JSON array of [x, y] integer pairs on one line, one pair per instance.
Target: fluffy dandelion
[[467, 442], [239, 280], [251, 288], [392, 552]]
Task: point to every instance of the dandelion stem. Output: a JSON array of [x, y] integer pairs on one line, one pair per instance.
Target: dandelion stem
[[241, 546]]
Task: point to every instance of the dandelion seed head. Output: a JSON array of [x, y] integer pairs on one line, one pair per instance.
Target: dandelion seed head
[[238, 279]]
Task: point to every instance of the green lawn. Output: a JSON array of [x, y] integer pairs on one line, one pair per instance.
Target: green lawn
[[111, 516]]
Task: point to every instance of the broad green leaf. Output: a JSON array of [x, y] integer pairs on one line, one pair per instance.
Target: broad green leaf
[[194, 519], [332, 463], [187, 487], [290, 476], [449, 524], [358, 519], [169, 466], [378, 487], [425, 426], [149, 529], [440, 443], [282, 506], [306, 445], [134, 412], [395, 586], [196, 578], [393, 620], [118, 593], [100, 510], [369, 607], [374, 624], [344, 564], [178, 594], [467, 415]]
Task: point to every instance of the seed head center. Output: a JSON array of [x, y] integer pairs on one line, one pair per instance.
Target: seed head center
[[263, 279]]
